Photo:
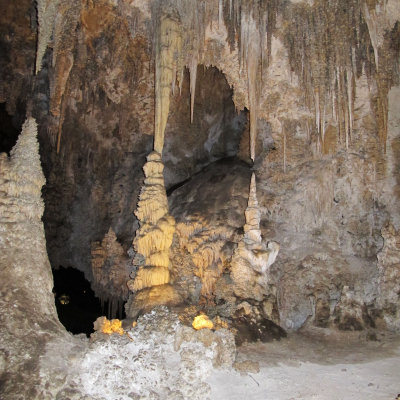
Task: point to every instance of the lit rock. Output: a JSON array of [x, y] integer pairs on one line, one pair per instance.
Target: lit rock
[[148, 298], [153, 238], [202, 322], [103, 325], [205, 244]]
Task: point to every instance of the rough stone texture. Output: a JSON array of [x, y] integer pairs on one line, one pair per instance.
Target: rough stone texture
[[18, 44], [157, 359], [110, 268], [389, 276], [28, 318], [326, 154], [208, 227], [153, 241], [252, 258]]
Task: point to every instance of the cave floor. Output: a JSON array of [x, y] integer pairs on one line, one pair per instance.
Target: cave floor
[[308, 366]]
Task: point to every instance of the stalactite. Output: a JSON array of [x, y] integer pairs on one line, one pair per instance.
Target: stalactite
[[250, 51], [350, 101], [253, 50], [47, 10], [284, 149], [193, 78], [329, 47], [323, 119], [317, 111], [372, 29], [169, 43]]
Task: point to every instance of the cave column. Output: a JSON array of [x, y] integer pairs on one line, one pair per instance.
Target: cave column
[[151, 284]]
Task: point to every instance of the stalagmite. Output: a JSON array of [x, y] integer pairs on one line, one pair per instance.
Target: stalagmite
[[23, 256], [252, 231], [169, 44], [110, 269], [252, 257], [153, 241], [23, 178]]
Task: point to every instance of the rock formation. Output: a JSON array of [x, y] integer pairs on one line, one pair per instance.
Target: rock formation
[[110, 268], [252, 257], [389, 276], [153, 241], [27, 306], [316, 88]]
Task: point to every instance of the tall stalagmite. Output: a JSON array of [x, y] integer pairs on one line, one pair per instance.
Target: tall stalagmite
[[252, 257], [27, 307], [153, 241]]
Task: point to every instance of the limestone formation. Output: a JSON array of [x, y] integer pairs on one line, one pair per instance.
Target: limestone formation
[[252, 258], [389, 276], [154, 237], [205, 245], [27, 307], [47, 10], [110, 268], [168, 49], [317, 83]]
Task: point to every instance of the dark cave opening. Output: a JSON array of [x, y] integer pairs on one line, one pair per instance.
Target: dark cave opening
[[9, 130], [76, 303]]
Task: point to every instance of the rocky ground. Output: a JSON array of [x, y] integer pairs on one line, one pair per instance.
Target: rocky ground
[[161, 358]]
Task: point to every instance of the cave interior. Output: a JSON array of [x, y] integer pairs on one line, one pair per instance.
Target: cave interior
[[196, 188]]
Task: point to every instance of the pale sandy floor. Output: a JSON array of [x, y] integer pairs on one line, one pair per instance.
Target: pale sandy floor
[[306, 366]]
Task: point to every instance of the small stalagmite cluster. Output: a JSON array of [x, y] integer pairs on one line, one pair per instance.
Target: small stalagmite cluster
[[110, 268]]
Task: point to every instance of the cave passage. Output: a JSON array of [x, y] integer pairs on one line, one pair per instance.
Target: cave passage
[[77, 306], [8, 131]]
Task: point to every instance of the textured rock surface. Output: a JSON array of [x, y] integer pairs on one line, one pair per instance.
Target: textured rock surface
[[208, 227], [158, 359], [252, 258], [152, 242], [28, 318], [320, 82], [389, 276], [110, 269]]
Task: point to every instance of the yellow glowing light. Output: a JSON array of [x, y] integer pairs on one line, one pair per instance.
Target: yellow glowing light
[[113, 326], [201, 322]]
